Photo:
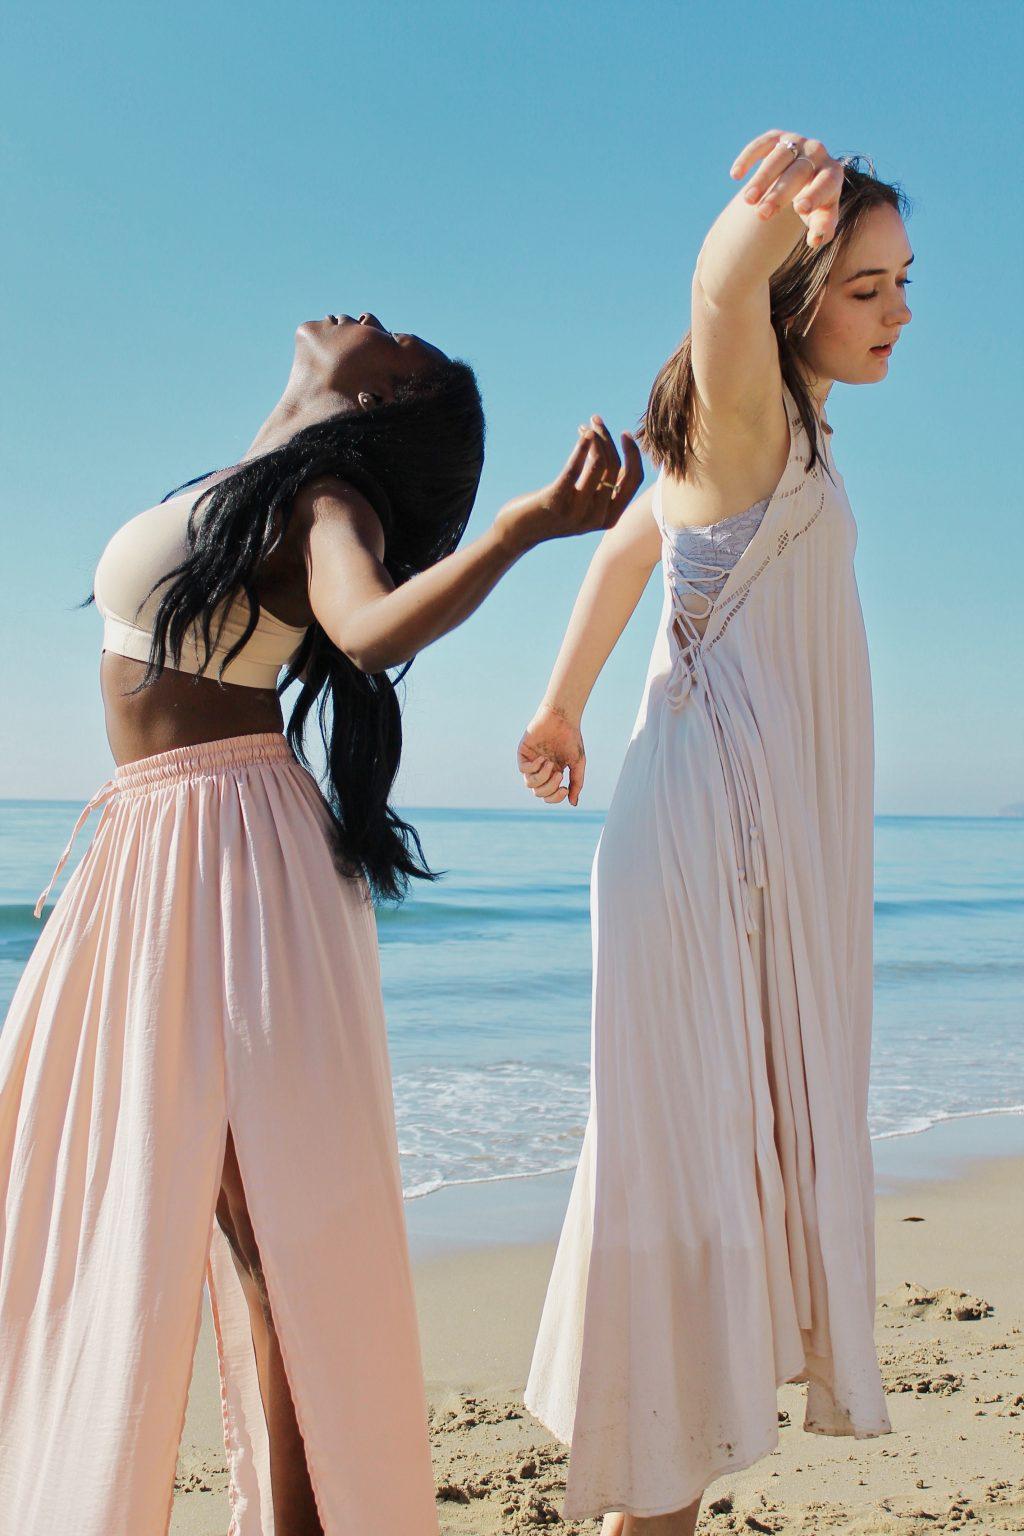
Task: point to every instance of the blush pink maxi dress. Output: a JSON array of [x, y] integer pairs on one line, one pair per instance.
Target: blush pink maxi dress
[[719, 1239], [204, 964]]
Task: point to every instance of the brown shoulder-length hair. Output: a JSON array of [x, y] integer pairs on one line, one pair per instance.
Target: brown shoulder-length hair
[[666, 429]]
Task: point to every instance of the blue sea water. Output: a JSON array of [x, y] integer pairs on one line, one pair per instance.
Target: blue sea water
[[487, 978]]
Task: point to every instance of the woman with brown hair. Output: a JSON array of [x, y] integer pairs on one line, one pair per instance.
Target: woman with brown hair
[[720, 1233]]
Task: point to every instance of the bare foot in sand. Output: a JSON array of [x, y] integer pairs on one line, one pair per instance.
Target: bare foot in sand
[[682, 1523]]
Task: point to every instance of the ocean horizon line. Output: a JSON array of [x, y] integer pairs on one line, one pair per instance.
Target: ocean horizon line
[[577, 812]]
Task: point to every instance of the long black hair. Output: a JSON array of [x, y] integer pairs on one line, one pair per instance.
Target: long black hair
[[418, 460]]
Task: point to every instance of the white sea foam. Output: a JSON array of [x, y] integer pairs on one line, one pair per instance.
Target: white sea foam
[[518, 1120]]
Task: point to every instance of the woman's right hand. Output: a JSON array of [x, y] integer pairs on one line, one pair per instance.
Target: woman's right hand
[[551, 743], [590, 493]]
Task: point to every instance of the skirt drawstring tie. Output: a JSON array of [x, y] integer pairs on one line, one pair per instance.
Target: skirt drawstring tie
[[102, 794]]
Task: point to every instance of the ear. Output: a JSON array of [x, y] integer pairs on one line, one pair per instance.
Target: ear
[[367, 400]]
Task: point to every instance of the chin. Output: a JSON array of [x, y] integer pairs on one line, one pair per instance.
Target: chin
[[871, 372]]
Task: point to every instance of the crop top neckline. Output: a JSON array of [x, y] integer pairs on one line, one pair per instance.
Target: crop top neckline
[[143, 550]]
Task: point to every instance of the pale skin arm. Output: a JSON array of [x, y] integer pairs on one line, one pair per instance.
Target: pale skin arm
[[378, 625], [737, 380], [614, 583], [734, 351]]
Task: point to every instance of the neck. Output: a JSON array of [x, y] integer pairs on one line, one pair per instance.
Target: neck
[[818, 388], [291, 414]]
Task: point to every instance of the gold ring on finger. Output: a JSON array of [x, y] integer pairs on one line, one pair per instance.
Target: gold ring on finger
[[606, 485]]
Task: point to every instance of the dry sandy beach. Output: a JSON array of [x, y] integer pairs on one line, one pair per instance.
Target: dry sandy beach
[[950, 1336]]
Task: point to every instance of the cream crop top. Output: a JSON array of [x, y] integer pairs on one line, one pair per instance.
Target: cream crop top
[[146, 548]]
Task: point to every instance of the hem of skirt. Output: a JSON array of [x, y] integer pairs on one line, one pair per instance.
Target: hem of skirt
[[231, 1445], [195, 1341], [280, 1307]]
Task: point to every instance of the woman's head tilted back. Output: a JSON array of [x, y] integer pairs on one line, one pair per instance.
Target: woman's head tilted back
[[404, 424], [412, 423], [836, 309]]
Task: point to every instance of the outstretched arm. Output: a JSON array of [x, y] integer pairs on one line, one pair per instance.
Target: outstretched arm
[[379, 625]]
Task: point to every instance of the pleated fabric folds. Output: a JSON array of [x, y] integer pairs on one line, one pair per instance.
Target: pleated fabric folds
[[205, 965], [719, 1239]]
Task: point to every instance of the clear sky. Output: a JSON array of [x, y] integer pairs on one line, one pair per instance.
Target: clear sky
[[528, 186]]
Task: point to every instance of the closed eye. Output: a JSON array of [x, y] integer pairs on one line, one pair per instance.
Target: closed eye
[[901, 282]]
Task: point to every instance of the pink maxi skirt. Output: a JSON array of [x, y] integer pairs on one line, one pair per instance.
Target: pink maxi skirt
[[205, 965]]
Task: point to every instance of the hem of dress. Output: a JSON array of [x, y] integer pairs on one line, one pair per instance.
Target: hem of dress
[[652, 1512], [682, 1502], [814, 1427], [849, 1434]]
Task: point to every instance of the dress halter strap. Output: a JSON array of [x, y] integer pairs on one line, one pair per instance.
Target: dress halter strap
[[102, 794]]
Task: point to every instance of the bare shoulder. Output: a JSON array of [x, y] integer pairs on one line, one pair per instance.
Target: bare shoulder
[[636, 538], [328, 509]]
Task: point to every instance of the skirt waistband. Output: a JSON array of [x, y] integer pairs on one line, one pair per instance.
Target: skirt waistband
[[204, 757], [173, 766]]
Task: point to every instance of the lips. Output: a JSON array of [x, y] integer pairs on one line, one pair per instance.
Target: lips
[[883, 351]]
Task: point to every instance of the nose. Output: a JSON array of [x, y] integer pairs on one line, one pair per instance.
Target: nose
[[900, 313], [367, 319]]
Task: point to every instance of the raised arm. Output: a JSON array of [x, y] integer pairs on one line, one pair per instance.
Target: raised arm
[[378, 625], [794, 191], [719, 424]]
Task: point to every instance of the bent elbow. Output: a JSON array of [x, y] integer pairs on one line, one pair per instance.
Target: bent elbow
[[371, 658], [358, 648], [365, 658]]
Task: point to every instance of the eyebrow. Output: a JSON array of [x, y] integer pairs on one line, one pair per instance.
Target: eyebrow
[[875, 271]]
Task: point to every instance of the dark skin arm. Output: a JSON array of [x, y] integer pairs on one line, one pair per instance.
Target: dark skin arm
[[378, 625], [328, 569]]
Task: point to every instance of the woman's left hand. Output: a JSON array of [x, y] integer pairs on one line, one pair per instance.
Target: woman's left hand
[[811, 181]]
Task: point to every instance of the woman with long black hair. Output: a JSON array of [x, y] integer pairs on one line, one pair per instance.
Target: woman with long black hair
[[194, 1072]]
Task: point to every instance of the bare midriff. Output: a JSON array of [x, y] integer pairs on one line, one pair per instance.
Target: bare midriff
[[179, 709], [182, 709]]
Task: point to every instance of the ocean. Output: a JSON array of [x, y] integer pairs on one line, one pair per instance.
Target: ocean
[[487, 978]]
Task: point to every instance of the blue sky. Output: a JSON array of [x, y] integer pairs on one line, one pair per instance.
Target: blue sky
[[528, 186]]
